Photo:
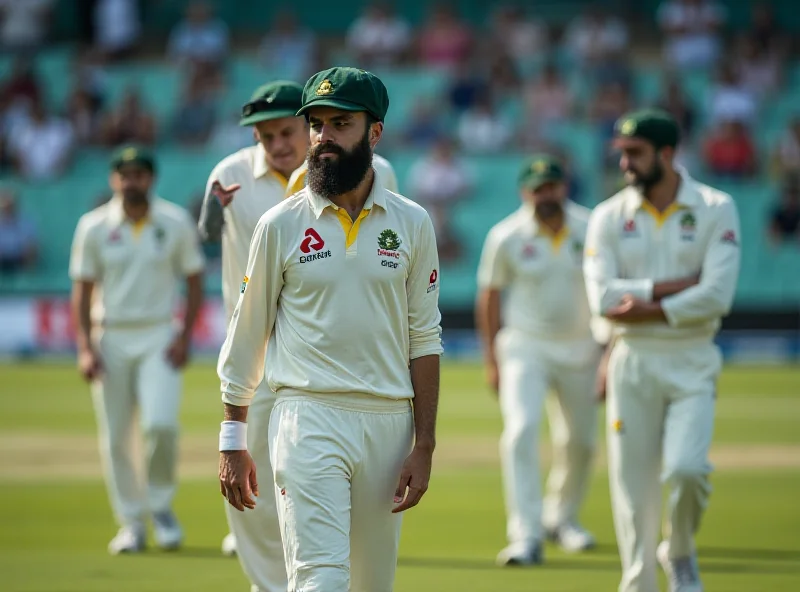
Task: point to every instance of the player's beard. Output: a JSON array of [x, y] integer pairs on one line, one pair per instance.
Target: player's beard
[[330, 177], [549, 209], [645, 181], [135, 197]]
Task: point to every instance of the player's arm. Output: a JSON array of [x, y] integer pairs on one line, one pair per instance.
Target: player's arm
[[211, 213], [425, 349], [713, 296], [494, 274], [241, 361], [84, 267]]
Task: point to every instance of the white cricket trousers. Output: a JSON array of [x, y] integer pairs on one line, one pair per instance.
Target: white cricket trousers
[[529, 368], [337, 462], [257, 531], [660, 415], [138, 377]]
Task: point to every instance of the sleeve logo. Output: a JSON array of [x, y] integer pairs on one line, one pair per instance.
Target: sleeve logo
[[244, 284], [729, 237], [432, 281]]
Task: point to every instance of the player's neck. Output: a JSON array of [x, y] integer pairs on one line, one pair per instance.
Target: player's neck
[[665, 192], [353, 201]]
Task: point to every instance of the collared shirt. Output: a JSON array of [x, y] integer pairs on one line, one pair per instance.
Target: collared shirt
[[344, 304], [383, 169], [261, 189], [630, 246], [540, 272], [136, 267]]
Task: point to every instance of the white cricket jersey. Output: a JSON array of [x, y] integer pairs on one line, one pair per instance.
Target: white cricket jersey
[[382, 167], [137, 268], [261, 189], [630, 246], [540, 272], [345, 305]]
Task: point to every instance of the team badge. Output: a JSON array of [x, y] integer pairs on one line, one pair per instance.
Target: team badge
[[388, 243], [628, 128], [325, 87], [160, 236], [539, 166], [688, 226]]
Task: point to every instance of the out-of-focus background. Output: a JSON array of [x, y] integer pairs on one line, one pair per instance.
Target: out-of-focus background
[[474, 86]]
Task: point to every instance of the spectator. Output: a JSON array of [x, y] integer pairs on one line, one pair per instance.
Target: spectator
[[42, 147], [548, 100], [768, 35], [18, 242], [90, 76], [730, 99], [504, 78], [760, 71], [517, 35], [424, 126], [482, 130], [24, 24], [84, 117], [466, 85], [692, 29], [444, 41], [785, 221], [437, 182], [196, 114], [199, 38], [289, 50], [675, 103], [379, 37], [786, 155], [128, 123], [729, 151], [596, 38], [117, 28], [22, 88]]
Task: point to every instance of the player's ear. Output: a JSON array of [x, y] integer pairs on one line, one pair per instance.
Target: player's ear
[[375, 133]]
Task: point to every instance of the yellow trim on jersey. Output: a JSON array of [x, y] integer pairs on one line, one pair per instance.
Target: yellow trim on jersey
[[281, 179], [556, 238], [138, 226], [661, 217], [298, 184], [349, 226]]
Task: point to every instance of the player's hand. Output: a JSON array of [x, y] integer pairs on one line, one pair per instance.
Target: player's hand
[[224, 194], [414, 478], [493, 377], [89, 364], [237, 479], [633, 310], [178, 352]]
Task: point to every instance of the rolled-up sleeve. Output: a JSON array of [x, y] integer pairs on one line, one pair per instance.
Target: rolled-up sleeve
[[604, 287], [713, 296], [84, 263], [241, 360], [422, 288]]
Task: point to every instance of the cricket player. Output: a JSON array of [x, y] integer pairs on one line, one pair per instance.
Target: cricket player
[[342, 280], [662, 261], [257, 177], [129, 258], [534, 257]]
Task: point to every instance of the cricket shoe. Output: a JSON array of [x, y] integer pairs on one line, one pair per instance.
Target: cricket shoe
[[129, 539], [169, 534], [571, 537], [229, 545], [520, 554], [683, 573]]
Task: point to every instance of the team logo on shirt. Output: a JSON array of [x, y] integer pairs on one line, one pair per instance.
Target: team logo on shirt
[[629, 228], [313, 242], [688, 226], [160, 236], [432, 285], [528, 252], [115, 236], [388, 243], [729, 237]]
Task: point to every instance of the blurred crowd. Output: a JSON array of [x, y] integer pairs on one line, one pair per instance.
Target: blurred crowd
[[514, 59]]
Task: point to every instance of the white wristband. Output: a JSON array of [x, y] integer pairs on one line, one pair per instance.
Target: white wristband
[[232, 436]]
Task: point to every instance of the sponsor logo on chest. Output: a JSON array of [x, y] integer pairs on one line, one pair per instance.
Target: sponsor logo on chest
[[312, 247]]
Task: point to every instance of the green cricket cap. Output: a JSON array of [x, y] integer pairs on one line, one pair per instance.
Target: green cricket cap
[[540, 169], [349, 89], [654, 125], [281, 98], [131, 154]]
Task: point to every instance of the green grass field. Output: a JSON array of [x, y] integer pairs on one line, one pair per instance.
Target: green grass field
[[56, 521]]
